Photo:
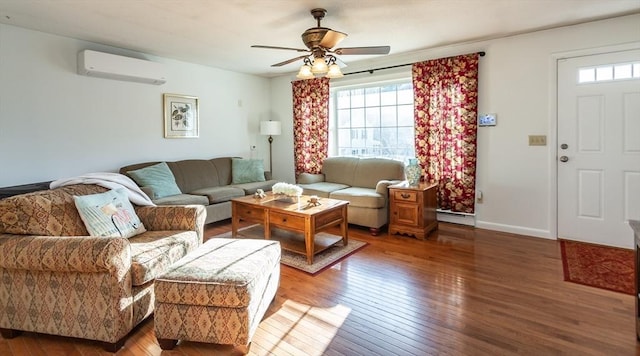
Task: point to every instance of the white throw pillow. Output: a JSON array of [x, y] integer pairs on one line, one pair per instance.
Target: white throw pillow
[[109, 214]]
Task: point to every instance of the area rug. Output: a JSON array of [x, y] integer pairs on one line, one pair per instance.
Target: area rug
[[321, 261], [598, 266]]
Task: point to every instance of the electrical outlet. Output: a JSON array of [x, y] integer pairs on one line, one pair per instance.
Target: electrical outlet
[[537, 140]]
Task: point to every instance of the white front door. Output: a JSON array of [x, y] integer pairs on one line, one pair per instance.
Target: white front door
[[598, 149]]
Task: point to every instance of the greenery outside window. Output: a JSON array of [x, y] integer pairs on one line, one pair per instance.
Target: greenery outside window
[[373, 120]]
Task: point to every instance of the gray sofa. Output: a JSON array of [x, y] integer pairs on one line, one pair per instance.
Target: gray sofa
[[205, 182], [362, 181]]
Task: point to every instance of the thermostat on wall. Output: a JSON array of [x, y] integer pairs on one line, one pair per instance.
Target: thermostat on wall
[[487, 120]]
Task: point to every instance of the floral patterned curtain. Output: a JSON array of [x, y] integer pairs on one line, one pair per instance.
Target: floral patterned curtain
[[445, 95], [310, 124]]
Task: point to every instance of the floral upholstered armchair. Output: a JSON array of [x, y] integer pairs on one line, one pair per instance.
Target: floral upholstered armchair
[[56, 279]]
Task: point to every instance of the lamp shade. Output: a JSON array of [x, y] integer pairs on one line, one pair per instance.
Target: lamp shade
[[305, 72], [334, 71], [270, 128], [319, 65]]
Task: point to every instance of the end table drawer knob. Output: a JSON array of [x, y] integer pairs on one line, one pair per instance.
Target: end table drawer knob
[[405, 195]]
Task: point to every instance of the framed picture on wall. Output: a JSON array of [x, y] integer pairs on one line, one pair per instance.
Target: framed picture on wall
[[180, 116]]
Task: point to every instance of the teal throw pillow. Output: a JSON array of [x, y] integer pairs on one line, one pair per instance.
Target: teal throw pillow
[[246, 170], [109, 214], [159, 177]]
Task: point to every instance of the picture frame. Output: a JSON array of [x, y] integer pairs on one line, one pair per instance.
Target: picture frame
[[181, 119]]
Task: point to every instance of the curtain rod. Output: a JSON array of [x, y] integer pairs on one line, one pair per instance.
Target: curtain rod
[[370, 71]]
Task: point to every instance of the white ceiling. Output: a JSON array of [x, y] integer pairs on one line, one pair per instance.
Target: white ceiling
[[219, 33]]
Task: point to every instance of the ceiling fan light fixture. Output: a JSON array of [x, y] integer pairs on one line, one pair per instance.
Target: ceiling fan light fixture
[[319, 66], [320, 42], [305, 72], [334, 71]]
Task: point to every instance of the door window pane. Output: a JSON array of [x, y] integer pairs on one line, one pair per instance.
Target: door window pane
[[604, 73], [622, 71], [586, 75]]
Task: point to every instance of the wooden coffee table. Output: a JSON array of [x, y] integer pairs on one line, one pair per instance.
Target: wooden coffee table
[[303, 220]]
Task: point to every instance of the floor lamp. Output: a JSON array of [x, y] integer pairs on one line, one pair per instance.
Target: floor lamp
[[270, 128]]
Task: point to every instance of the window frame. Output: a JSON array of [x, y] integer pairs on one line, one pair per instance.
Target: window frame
[[364, 85]]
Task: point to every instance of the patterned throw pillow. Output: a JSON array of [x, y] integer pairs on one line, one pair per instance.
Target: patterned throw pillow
[[246, 170], [109, 214], [159, 177]]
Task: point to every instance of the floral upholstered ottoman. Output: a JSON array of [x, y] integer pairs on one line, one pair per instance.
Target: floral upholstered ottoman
[[217, 293]]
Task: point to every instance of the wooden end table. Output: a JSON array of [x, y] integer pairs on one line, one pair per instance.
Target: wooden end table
[[413, 209], [298, 217]]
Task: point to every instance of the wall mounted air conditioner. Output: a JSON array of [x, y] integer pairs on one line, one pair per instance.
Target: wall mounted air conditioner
[[111, 66]]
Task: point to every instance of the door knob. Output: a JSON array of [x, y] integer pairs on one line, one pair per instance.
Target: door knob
[[564, 159]]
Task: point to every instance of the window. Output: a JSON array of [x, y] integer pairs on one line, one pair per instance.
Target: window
[[607, 73], [375, 120]]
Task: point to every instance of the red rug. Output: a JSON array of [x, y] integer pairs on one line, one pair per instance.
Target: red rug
[[598, 266]]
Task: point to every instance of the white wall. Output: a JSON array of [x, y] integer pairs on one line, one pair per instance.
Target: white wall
[[55, 123], [516, 81]]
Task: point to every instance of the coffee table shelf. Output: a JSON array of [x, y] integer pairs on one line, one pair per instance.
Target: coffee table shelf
[[294, 241], [282, 220]]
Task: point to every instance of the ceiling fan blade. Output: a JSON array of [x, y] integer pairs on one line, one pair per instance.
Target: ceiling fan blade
[[363, 50], [288, 61], [285, 48], [332, 38]]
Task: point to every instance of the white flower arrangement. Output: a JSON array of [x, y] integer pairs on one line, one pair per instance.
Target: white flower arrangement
[[287, 189]]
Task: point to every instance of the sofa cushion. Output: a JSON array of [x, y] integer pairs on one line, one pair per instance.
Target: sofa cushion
[[360, 197], [219, 194], [223, 166], [250, 188], [193, 174], [372, 170], [322, 189], [246, 170], [182, 199], [340, 169], [109, 214], [45, 213], [159, 177], [154, 251]]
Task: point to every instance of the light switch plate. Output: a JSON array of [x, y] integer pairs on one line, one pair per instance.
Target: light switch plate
[[537, 140]]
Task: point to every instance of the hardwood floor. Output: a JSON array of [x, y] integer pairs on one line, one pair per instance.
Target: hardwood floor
[[463, 291]]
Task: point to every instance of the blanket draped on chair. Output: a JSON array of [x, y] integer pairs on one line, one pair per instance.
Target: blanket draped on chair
[[111, 181]]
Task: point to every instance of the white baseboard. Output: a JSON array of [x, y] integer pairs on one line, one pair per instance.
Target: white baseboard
[[455, 218], [470, 220], [546, 234]]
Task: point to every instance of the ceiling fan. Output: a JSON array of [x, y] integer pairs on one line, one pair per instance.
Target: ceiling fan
[[321, 54]]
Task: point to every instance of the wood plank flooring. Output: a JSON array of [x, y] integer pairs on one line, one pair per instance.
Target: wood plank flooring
[[463, 291]]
